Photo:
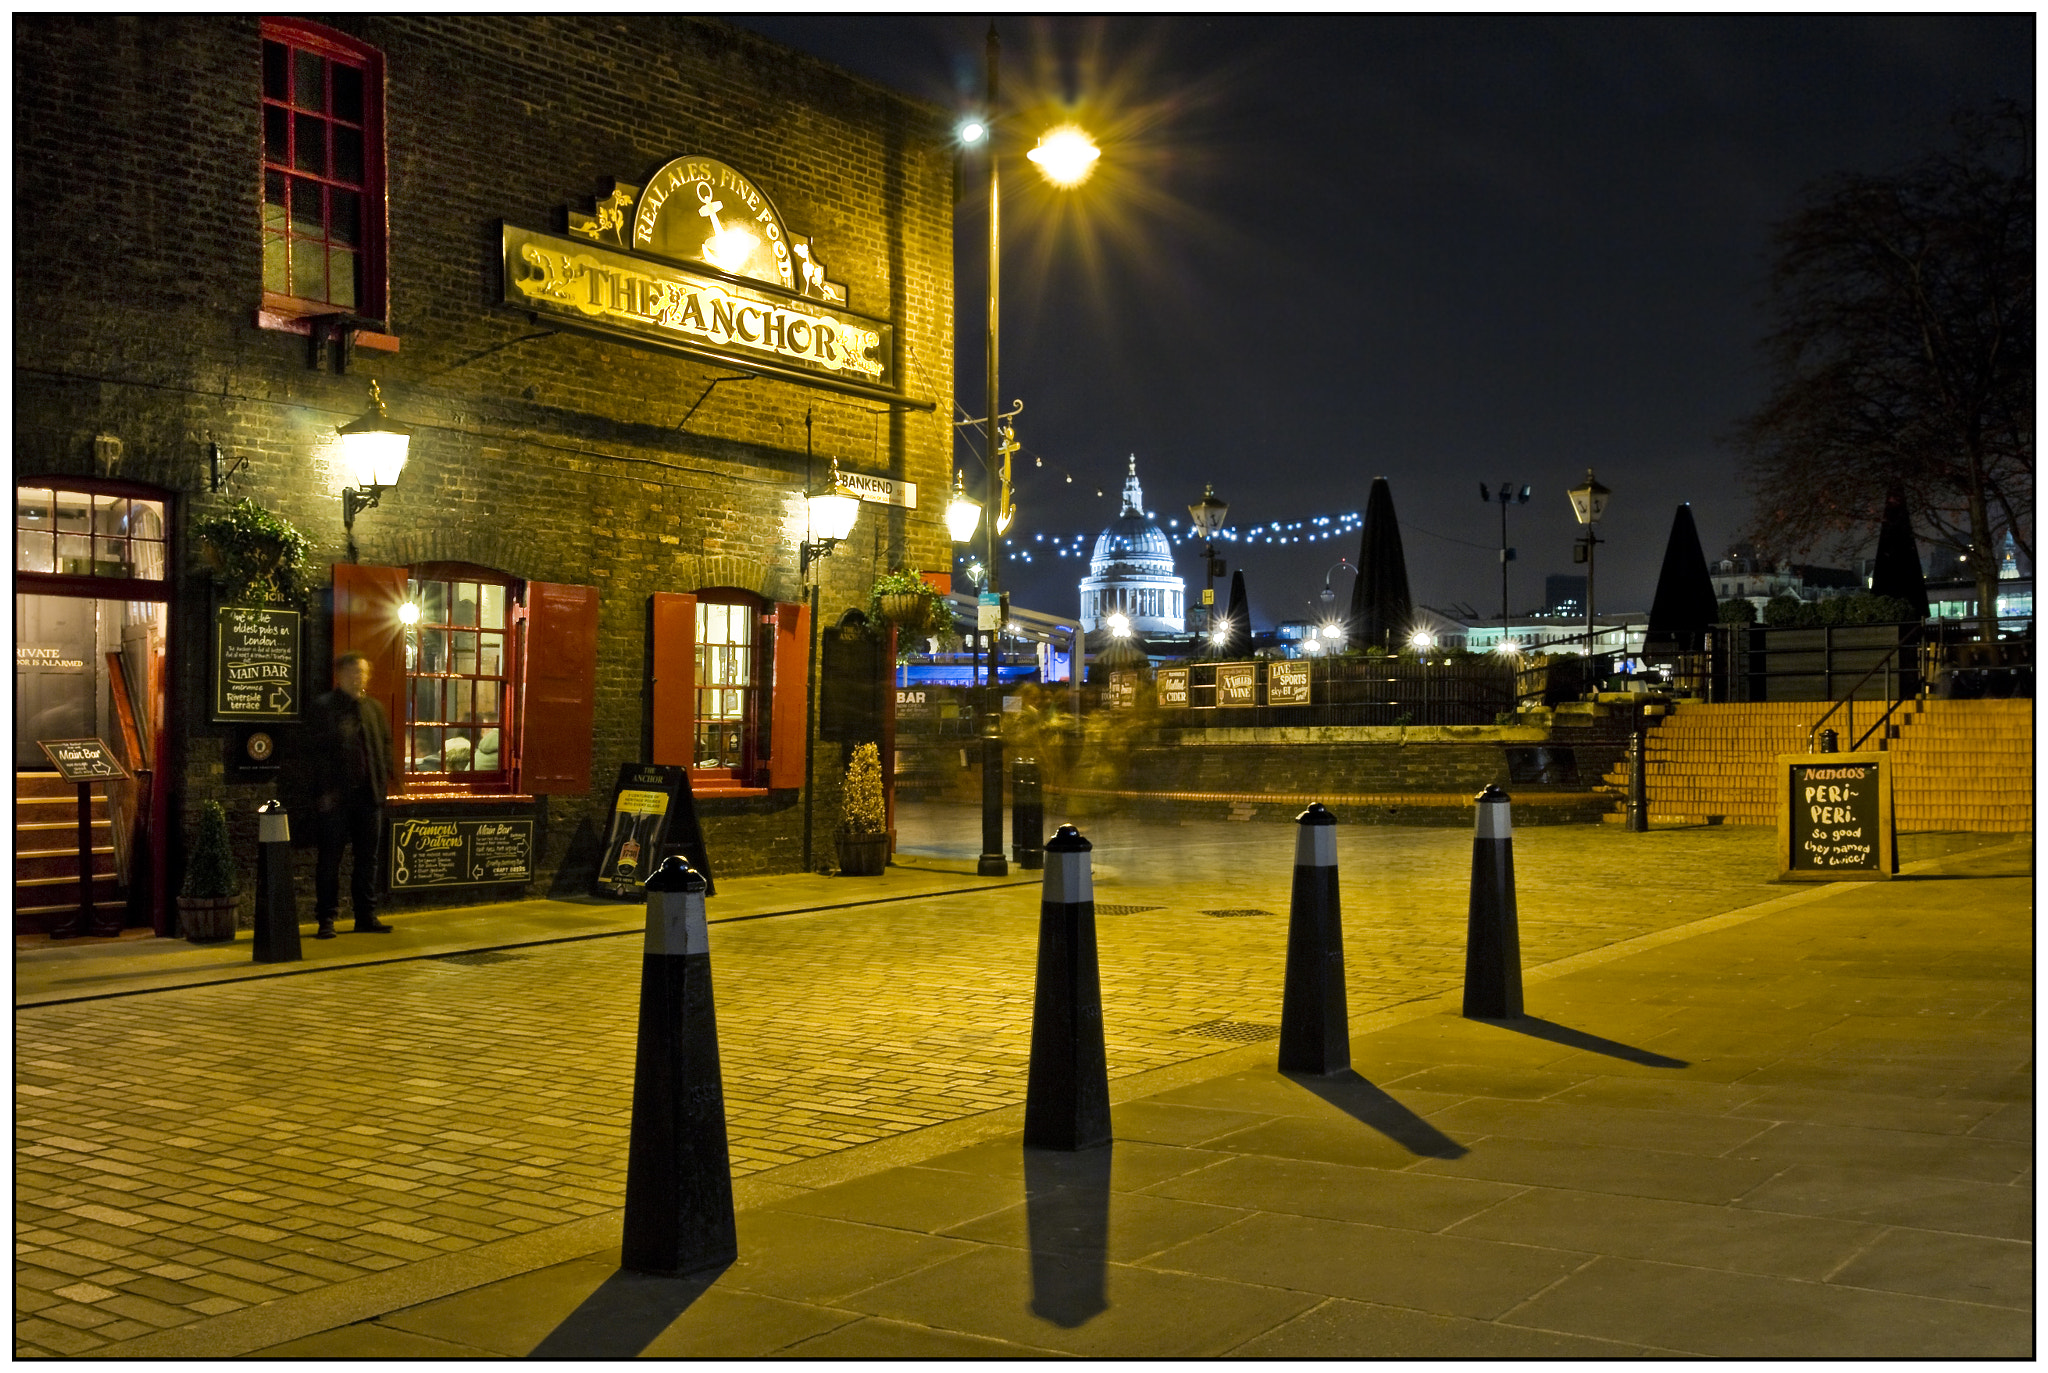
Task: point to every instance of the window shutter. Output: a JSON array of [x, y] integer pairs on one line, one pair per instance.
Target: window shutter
[[674, 670], [366, 602], [561, 688], [791, 687]]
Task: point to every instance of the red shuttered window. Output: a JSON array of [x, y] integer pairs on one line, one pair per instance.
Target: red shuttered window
[[323, 172], [728, 689]]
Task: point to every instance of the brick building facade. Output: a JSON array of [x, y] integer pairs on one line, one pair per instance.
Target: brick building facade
[[166, 305]]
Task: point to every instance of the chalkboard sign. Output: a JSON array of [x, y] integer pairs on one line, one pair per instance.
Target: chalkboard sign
[[441, 851], [255, 664], [1287, 684], [81, 760], [1237, 684], [1173, 686], [1123, 690], [1835, 817], [653, 812]]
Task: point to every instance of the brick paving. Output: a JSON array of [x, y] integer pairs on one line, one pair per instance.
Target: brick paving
[[183, 1154]]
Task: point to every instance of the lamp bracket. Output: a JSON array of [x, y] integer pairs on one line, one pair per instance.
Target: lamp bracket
[[221, 475], [340, 330], [808, 555], [354, 502]]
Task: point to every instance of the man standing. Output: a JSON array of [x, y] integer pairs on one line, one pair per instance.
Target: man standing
[[352, 747]]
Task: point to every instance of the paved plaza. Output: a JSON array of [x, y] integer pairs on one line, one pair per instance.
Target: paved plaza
[[229, 1166]]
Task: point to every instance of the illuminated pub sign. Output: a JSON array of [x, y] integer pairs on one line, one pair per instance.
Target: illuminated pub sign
[[699, 262]]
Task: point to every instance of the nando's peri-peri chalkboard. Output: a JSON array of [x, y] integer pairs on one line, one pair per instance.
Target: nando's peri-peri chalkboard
[[1835, 817]]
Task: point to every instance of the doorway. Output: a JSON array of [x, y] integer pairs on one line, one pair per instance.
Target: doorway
[[91, 634]]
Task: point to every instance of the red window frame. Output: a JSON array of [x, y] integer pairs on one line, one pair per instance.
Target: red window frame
[[285, 110], [509, 679]]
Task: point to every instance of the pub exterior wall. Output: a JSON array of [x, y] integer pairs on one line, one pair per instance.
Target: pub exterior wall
[[541, 453]]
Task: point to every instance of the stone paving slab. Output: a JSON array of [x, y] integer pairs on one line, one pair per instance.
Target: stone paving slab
[[1159, 1247], [378, 1123]]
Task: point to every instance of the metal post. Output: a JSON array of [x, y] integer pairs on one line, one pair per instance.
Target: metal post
[[992, 863], [1066, 1092], [277, 905], [1493, 949], [679, 1207], [811, 732], [1638, 779]]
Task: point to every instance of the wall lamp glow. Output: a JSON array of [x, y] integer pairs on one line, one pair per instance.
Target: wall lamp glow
[[963, 512], [374, 449], [833, 511], [1066, 156]]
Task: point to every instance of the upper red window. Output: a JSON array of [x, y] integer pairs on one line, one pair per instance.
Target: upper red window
[[323, 172]]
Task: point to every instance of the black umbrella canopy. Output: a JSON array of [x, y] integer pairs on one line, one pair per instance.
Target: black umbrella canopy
[[1897, 571], [1684, 605], [1238, 615], [1381, 609]]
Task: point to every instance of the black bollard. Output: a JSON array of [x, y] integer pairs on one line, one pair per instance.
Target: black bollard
[[1315, 1024], [1830, 742], [679, 1216], [1638, 782], [1493, 945], [1027, 815], [277, 904], [1066, 1098]]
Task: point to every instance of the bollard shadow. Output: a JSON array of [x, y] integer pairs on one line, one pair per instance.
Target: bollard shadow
[[624, 1315], [1368, 1105], [1066, 1216], [1538, 1028]]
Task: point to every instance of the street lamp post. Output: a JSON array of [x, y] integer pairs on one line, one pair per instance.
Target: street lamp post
[[1065, 156], [1207, 517], [833, 510], [1422, 642], [1507, 496], [1589, 503]]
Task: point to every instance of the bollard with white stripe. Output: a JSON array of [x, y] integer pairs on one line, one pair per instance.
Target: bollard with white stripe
[[1315, 1026], [277, 905], [1066, 1099], [679, 1216], [1493, 944]]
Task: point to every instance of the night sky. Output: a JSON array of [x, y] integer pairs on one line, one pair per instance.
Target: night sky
[[1439, 249]]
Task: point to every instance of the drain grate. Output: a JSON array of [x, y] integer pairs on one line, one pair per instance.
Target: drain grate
[[1124, 910], [481, 957], [1237, 910], [1237, 1031]]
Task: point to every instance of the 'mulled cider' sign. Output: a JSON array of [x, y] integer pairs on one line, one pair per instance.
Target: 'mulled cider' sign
[[1835, 817], [699, 262]]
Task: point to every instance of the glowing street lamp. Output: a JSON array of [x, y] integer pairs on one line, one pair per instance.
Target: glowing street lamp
[[1206, 515], [963, 512], [374, 450], [1067, 155], [1119, 626]]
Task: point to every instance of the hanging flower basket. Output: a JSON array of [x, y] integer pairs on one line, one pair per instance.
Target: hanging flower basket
[[902, 607]]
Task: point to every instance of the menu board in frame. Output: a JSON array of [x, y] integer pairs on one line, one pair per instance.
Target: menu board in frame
[[1835, 820]]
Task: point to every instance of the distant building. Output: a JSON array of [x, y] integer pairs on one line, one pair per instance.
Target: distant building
[[1564, 594], [1131, 572], [1742, 575]]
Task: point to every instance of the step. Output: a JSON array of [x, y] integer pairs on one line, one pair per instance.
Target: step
[[52, 863], [38, 785]]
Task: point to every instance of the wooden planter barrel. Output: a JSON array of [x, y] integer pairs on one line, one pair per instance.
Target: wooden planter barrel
[[863, 855], [207, 919]]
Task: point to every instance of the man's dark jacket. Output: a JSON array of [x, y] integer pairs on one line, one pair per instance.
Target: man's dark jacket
[[351, 743]]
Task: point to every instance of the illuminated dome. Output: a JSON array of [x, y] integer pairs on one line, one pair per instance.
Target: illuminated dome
[[1131, 572]]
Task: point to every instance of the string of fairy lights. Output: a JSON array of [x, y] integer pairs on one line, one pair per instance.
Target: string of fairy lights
[[1309, 529]]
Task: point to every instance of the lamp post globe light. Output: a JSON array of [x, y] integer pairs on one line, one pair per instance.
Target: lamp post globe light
[[1206, 515], [1589, 503], [1066, 156]]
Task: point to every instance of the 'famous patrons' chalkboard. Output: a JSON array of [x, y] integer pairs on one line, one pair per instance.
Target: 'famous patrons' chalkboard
[[1835, 817]]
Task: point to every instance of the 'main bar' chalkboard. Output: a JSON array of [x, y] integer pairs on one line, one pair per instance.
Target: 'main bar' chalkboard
[[1835, 817], [255, 664]]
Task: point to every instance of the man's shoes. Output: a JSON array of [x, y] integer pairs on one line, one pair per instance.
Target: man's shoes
[[326, 930], [372, 926]]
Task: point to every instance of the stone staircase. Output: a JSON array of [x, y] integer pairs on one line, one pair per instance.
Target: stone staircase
[[1958, 765], [46, 854]]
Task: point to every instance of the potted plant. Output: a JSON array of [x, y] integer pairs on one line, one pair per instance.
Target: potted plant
[[863, 824], [916, 607], [258, 558], [207, 901]]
